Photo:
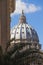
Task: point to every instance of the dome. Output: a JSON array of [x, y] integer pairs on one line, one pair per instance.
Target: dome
[[23, 32]]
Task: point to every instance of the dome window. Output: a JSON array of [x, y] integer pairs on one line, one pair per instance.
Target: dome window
[[17, 32], [22, 32], [23, 27], [27, 28], [18, 27]]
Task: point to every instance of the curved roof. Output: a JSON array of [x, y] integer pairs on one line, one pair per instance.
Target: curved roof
[[24, 32]]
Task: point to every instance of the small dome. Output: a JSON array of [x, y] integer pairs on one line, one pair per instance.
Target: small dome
[[23, 32]]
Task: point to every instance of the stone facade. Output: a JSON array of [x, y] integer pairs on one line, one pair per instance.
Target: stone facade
[[6, 7]]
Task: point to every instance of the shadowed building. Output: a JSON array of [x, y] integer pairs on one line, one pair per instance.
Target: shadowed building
[[6, 7]]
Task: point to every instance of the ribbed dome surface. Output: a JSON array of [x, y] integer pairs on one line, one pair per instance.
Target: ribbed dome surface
[[24, 32]]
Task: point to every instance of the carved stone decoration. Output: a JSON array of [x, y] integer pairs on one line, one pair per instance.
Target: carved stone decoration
[[11, 5]]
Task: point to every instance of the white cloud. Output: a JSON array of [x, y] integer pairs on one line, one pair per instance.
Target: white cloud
[[28, 8]]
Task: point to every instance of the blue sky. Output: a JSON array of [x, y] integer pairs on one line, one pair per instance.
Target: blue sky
[[33, 10]]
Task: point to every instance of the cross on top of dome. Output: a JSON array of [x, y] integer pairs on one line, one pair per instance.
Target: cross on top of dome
[[22, 18], [22, 12]]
